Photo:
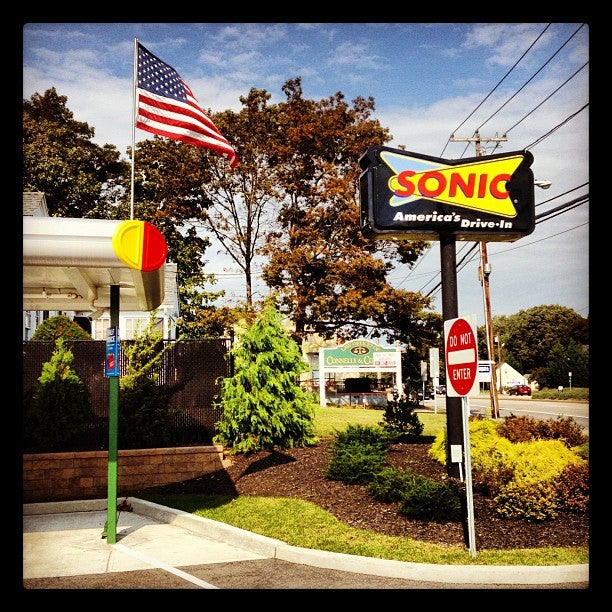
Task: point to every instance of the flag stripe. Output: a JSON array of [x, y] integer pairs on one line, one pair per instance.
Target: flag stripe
[[181, 133], [167, 107], [175, 115]]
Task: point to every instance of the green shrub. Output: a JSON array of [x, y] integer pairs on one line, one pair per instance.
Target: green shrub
[[145, 420], [428, 500], [372, 435], [356, 463], [390, 483], [264, 406], [420, 497], [145, 417], [358, 454], [582, 450]]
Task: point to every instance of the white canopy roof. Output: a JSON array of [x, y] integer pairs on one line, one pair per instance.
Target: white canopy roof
[[70, 264]]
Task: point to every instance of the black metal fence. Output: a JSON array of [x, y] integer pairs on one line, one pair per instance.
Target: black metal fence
[[191, 371]]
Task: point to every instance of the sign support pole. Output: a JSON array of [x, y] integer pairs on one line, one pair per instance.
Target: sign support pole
[[468, 476], [110, 529], [450, 308]]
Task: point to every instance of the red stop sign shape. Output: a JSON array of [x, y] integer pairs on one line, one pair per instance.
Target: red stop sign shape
[[461, 356]]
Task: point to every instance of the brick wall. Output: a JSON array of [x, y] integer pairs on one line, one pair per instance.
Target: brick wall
[[72, 476]]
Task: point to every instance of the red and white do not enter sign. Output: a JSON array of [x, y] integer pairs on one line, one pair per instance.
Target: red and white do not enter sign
[[461, 356]]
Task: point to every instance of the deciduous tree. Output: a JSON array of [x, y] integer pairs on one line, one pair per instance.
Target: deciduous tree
[[78, 177], [330, 280], [530, 335]]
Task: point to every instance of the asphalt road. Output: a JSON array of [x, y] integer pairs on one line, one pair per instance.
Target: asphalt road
[[523, 406]]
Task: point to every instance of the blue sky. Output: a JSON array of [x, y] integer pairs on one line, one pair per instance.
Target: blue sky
[[526, 82]]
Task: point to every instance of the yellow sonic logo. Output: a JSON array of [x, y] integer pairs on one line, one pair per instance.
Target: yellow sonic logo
[[477, 185]]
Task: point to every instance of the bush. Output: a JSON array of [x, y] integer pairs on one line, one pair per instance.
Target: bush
[[532, 493], [60, 326], [525, 428], [420, 497], [145, 419], [359, 454], [356, 463], [531, 501], [389, 484], [572, 488], [371, 435], [428, 500], [264, 406], [530, 476]]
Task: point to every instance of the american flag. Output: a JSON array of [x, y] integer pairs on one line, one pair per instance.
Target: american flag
[[167, 108]]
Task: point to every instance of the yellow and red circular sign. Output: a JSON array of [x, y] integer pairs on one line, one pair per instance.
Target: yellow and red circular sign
[[140, 245]]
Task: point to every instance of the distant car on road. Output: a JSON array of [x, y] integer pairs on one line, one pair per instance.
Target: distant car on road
[[428, 394], [520, 390], [441, 390]]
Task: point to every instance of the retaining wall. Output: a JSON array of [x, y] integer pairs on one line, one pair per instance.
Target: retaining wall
[[84, 475]]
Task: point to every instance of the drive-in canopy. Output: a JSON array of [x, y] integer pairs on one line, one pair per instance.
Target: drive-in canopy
[[70, 264]]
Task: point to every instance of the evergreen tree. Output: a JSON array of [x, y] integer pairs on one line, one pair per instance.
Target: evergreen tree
[[264, 406], [401, 419], [57, 410], [145, 420]]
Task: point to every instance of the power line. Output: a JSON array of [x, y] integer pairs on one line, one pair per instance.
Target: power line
[[496, 86], [541, 138], [547, 98], [531, 78], [562, 208], [543, 217]]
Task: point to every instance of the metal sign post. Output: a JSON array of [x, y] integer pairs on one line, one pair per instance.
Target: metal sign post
[[461, 366], [468, 476]]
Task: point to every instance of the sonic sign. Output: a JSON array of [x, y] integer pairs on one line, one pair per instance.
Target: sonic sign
[[416, 197]]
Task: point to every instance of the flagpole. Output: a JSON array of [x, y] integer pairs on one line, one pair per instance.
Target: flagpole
[[133, 125]]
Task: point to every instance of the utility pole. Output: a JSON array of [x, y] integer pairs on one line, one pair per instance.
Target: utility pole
[[485, 271]]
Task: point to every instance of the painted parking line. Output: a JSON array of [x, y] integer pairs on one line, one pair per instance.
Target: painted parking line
[[164, 566]]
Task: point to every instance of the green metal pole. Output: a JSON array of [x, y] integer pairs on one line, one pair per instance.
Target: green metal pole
[[113, 418]]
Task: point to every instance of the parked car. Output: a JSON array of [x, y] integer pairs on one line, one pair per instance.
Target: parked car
[[441, 390], [429, 394], [519, 390]]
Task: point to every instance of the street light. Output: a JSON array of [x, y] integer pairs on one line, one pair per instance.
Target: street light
[[542, 184]]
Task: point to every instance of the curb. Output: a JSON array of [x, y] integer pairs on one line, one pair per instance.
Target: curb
[[277, 549]]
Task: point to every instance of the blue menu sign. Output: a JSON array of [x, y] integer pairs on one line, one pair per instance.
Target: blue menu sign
[[112, 351]]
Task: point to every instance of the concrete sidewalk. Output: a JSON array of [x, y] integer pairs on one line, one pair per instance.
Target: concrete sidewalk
[[159, 547]]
